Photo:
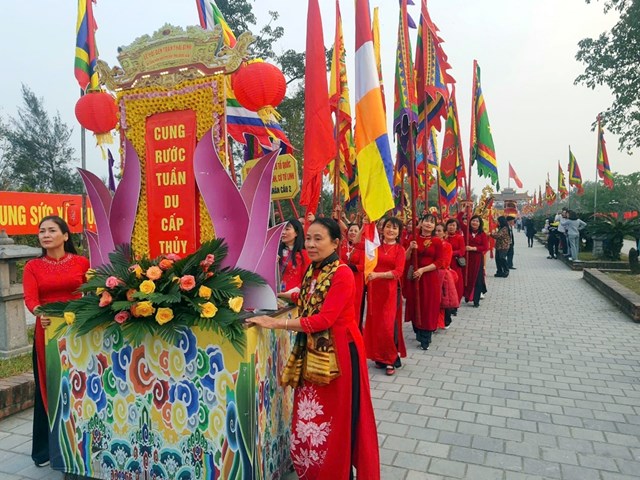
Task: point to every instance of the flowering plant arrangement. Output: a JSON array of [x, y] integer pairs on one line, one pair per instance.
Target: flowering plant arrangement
[[160, 296]]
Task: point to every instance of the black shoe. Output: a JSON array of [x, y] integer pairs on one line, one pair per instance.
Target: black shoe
[[397, 363], [454, 313], [512, 268], [424, 346], [499, 275], [380, 365], [476, 305]]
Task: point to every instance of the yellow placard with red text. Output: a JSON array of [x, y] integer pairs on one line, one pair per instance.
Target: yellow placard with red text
[[21, 212], [285, 184]]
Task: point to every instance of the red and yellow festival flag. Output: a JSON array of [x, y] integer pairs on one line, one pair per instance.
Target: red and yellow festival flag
[[549, 194], [373, 152], [604, 169], [575, 177], [562, 184], [451, 162]]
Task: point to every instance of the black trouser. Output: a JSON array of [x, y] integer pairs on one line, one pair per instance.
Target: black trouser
[[510, 256], [530, 241], [552, 245], [40, 437], [447, 316], [480, 286], [562, 238], [501, 262]]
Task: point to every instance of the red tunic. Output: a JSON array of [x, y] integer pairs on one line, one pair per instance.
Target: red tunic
[[475, 261], [383, 329], [47, 280], [458, 250], [353, 256], [321, 426], [430, 287], [447, 255], [291, 275]]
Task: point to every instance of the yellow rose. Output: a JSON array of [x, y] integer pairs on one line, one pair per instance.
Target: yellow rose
[[237, 281], [235, 304], [99, 290], [208, 310], [204, 292], [147, 287], [145, 309], [69, 317], [164, 315], [90, 274]]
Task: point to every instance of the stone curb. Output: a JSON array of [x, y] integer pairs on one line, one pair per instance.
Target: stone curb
[[16, 394], [627, 300]]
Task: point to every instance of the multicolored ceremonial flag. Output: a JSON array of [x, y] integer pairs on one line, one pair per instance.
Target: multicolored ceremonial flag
[[575, 177], [86, 52], [373, 152], [320, 146], [482, 149], [371, 243], [539, 195], [514, 176], [405, 108], [243, 125], [431, 76], [549, 194], [604, 170], [341, 109], [562, 184], [451, 162], [210, 16]]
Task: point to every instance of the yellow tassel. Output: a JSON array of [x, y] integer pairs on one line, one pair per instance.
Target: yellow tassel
[[269, 115], [101, 140]]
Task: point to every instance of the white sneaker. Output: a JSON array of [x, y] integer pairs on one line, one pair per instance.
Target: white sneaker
[[42, 464], [481, 295]]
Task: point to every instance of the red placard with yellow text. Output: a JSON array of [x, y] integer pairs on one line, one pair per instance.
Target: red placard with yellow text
[[21, 212], [172, 207]]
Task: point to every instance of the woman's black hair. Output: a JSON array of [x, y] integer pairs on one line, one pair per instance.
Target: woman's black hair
[[450, 221], [427, 216], [394, 221], [481, 227], [64, 228], [573, 215], [298, 243], [331, 225], [502, 221]]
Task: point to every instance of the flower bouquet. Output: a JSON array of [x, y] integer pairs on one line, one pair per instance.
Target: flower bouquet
[[160, 296]]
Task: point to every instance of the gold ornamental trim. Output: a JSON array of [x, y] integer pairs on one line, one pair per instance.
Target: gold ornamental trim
[[173, 55]]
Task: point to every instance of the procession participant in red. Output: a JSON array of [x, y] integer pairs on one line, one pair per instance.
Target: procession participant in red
[[477, 246], [352, 254], [383, 337], [293, 259], [455, 237], [333, 431], [55, 276], [430, 258], [447, 255]]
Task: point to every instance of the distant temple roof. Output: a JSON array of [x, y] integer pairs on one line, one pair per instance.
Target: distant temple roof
[[509, 194]]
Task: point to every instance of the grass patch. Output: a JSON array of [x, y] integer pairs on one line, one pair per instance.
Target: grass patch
[[632, 282], [17, 365], [590, 257]]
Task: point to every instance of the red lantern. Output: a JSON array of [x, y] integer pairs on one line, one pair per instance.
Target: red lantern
[[73, 214], [260, 87], [97, 112]]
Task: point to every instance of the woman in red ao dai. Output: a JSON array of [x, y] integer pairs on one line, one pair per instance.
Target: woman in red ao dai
[[383, 329], [352, 254]]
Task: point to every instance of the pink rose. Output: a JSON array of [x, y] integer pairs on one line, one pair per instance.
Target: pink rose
[[210, 258], [105, 299], [173, 257], [187, 282], [122, 317], [112, 282]]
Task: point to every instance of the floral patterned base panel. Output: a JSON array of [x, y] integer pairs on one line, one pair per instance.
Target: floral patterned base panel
[[193, 410]]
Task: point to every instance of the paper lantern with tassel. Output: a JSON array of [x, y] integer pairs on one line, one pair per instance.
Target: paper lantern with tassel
[[97, 112], [260, 87]]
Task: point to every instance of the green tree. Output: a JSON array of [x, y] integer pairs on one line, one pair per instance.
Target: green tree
[[624, 197], [36, 152], [613, 59]]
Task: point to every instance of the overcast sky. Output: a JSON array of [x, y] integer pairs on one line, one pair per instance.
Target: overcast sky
[[526, 49]]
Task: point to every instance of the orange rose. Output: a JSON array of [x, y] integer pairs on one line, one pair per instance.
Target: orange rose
[[105, 299], [130, 293], [153, 273], [165, 264], [187, 282]]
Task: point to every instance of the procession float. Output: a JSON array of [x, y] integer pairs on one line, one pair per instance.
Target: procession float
[[153, 374]]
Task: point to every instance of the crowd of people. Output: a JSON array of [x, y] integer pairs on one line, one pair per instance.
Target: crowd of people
[[563, 234], [350, 311]]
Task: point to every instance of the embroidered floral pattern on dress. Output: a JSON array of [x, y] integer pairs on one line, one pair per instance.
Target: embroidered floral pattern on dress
[[309, 435]]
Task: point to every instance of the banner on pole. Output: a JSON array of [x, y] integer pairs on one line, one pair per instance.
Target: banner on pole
[[284, 184]]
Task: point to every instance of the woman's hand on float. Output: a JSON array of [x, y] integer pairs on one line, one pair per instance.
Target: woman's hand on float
[[45, 321], [264, 321], [285, 295]]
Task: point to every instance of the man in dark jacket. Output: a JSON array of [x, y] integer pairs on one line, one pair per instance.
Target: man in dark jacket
[[510, 221]]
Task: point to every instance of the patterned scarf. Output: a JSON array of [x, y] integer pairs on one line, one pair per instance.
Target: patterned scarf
[[314, 356]]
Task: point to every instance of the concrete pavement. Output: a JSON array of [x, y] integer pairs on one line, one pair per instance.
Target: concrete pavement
[[541, 382]]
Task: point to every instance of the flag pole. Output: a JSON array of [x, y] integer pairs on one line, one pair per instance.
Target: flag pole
[[595, 193], [414, 218], [83, 165], [471, 144]]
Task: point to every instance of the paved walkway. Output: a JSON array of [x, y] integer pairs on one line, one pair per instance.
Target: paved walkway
[[541, 382]]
